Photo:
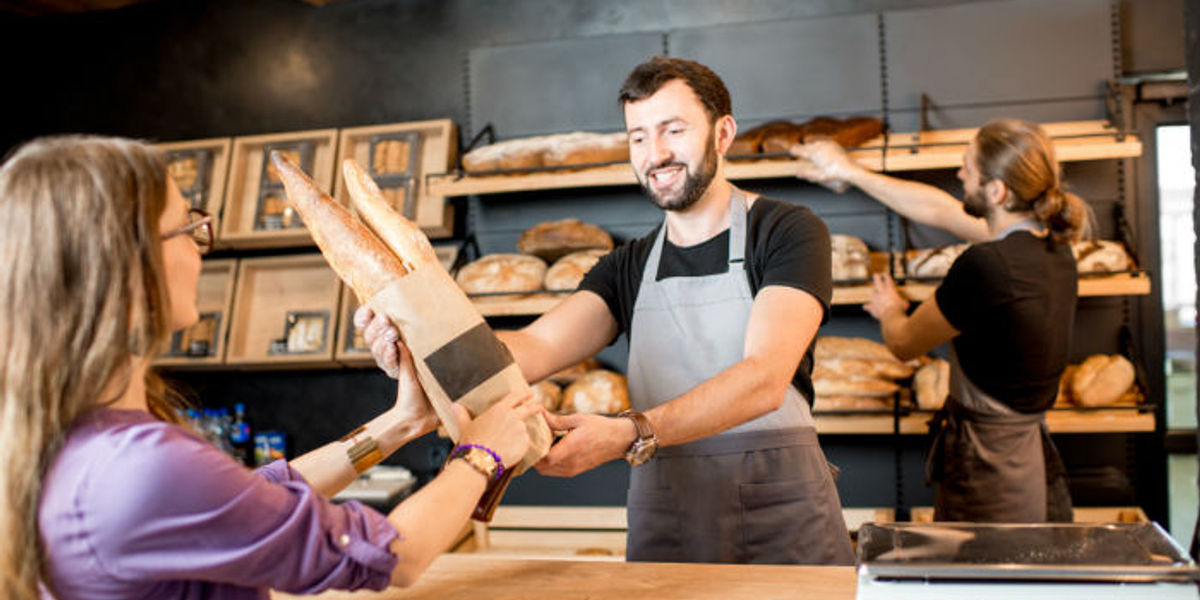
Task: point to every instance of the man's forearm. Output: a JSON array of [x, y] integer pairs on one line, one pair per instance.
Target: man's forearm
[[738, 394]]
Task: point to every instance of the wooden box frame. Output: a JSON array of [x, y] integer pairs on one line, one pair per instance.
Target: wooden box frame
[[438, 147], [214, 294], [268, 290], [242, 192], [344, 351], [216, 173]]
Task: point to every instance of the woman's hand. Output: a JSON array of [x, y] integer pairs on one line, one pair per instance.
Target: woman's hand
[[501, 428], [412, 405], [886, 300], [381, 337]]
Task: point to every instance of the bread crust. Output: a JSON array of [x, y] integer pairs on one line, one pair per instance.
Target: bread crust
[[596, 392], [568, 271], [502, 273], [552, 240], [354, 253]]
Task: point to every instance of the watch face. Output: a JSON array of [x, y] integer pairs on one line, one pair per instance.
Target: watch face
[[641, 452]]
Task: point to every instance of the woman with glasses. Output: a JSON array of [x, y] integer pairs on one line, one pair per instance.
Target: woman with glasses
[[106, 494]]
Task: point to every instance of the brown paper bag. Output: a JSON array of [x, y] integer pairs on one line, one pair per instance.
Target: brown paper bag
[[457, 356]]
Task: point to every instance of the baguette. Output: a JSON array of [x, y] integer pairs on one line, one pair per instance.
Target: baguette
[[406, 241], [355, 254]]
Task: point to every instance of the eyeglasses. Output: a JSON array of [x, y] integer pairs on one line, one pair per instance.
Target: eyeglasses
[[199, 227]]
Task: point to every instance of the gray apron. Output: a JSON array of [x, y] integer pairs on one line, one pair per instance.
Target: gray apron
[[990, 463], [760, 492]]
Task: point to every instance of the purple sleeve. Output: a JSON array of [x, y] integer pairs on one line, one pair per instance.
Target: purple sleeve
[[174, 507]]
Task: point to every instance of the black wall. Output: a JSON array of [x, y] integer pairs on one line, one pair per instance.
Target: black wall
[[185, 69]]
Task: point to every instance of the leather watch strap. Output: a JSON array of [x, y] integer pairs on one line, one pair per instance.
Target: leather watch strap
[[640, 422]]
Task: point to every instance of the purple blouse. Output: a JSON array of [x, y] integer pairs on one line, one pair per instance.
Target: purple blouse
[[132, 507]]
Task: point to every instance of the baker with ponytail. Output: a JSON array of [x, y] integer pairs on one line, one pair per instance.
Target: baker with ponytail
[[1006, 306]]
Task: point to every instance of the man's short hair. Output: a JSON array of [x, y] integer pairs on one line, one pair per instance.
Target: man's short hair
[[648, 77]]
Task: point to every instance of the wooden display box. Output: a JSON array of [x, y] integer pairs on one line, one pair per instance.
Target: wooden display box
[[350, 349], [257, 214], [203, 344], [399, 156], [285, 312], [200, 169]]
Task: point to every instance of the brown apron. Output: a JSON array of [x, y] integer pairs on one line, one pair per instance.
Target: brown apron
[[990, 463], [760, 492]]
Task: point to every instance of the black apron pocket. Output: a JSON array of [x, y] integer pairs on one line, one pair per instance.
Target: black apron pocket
[[782, 521], [655, 533]]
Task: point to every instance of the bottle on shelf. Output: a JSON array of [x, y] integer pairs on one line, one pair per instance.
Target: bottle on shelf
[[240, 437]]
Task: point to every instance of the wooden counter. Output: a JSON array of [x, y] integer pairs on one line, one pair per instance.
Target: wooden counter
[[466, 577]]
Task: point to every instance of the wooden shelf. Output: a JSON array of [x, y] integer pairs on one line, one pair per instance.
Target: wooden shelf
[[214, 297], [1116, 420], [1121, 284], [1073, 141]]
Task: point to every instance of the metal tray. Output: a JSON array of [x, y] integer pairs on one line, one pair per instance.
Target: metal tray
[[1115, 552]]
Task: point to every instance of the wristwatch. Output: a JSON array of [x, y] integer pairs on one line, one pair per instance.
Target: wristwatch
[[646, 443], [479, 459]]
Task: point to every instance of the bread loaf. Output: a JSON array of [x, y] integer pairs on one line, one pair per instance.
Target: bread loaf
[[932, 384], [554, 239], [831, 347], [1100, 256], [856, 386], [502, 273], [851, 258], [1101, 380], [558, 150], [584, 148], [597, 392], [568, 271], [570, 374], [548, 394], [354, 253], [850, 403], [862, 367], [933, 262], [1063, 399], [406, 241], [849, 133]]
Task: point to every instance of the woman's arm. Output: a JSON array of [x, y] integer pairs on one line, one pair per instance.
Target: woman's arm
[[827, 162]]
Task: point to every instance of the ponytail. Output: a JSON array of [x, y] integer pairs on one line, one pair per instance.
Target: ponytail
[[1066, 215]]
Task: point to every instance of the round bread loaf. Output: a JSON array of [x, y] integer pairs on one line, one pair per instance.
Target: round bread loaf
[[554, 239], [855, 403], [932, 383], [494, 273], [548, 393], [598, 392], [568, 271], [570, 374], [851, 258], [1063, 399], [933, 262], [1101, 380], [859, 386], [1100, 256]]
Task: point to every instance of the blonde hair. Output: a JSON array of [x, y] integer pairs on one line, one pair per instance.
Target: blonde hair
[[1020, 154], [82, 293]]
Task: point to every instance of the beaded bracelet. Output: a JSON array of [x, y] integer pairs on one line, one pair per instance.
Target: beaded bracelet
[[461, 449]]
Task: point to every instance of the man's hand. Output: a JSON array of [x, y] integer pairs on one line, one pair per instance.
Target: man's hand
[[382, 337], [825, 162], [591, 441], [886, 300]]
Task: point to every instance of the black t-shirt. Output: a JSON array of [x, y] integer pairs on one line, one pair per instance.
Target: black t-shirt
[[1014, 302], [786, 245]]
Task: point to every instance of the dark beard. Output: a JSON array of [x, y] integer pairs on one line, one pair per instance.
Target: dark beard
[[695, 185], [975, 204]]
